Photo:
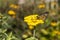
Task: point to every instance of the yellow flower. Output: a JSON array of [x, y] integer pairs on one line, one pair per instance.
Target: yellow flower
[[53, 23], [31, 23], [32, 20], [11, 12], [31, 17], [41, 21], [24, 35], [55, 31], [41, 6], [14, 6], [58, 32]]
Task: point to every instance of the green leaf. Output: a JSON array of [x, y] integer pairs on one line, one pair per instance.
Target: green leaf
[[31, 38], [43, 38], [9, 37]]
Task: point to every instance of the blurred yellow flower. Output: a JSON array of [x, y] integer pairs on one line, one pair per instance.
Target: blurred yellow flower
[[57, 32], [32, 20], [24, 35], [31, 16], [11, 12], [14, 6], [41, 6], [53, 23], [41, 21], [54, 33]]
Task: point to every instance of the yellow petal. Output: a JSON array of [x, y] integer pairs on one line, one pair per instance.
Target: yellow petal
[[11, 12], [31, 27], [53, 24], [41, 6], [41, 21]]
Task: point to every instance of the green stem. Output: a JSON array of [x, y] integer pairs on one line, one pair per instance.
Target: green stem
[[34, 33]]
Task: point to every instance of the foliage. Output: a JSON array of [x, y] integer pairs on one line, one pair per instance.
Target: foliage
[[29, 21]]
